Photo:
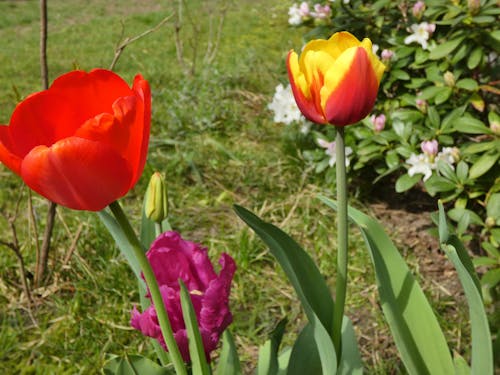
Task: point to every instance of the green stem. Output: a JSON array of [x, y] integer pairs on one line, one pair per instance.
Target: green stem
[[341, 282], [154, 290]]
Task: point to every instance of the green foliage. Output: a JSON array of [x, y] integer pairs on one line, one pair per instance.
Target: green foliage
[[416, 331], [446, 91]]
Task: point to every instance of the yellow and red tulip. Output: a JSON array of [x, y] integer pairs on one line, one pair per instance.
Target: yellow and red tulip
[[335, 81]]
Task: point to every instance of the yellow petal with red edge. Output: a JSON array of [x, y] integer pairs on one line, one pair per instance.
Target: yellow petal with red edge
[[378, 66], [304, 95], [351, 88]]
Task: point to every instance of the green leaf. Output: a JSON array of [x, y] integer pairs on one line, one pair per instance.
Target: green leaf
[[470, 125], [304, 358], [445, 49], [475, 58], [434, 117], [268, 352], [443, 95], [437, 184], [483, 165], [134, 365], [462, 171], [229, 363], [406, 182], [196, 349], [493, 206], [413, 324], [482, 351], [461, 365], [121, 241], [307, 281], [351, 363], [400, 74], [467, 84]]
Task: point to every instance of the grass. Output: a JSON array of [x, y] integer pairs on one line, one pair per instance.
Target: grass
[[215, 142]]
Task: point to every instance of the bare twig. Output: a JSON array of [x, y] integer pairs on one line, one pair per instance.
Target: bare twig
[[43, 44], [14, 246], [72, 247], [179, 48], [213, 47], [44, 250], [123, 44]]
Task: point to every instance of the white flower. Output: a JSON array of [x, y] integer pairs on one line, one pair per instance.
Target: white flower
[[448, 155], [375, 48], [425, 163], [295, 18], [284, 106], [420, 164], [331, 151], [421, 33]]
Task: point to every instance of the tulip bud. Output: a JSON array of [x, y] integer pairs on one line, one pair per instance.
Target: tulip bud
[[449, 79], [156, 200]]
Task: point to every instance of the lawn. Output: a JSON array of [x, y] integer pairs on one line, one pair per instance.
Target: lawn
[[214, 140]]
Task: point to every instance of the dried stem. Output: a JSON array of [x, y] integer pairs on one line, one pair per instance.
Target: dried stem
[[43, 44], [44, 250], [14, 246], [123, 44]]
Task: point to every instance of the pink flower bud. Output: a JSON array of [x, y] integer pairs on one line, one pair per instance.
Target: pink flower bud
[[418, 9], [430, 147], [386, 55], [378, 122], [421, 105]]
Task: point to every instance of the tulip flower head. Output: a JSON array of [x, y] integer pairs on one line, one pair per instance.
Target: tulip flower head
[[335, 81], [83, 142], [173, 258]]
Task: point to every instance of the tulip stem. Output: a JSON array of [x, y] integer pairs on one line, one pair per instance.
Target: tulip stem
[[166, 328], [341, 282]]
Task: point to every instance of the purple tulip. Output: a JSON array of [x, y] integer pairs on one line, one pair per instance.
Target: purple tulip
[[173, 258]]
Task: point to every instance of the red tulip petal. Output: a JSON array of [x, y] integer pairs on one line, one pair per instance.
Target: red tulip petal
[[140, 136], [51, 115], [77, 173], [7, 157], [354, 97], [113, 130], [310, 108]]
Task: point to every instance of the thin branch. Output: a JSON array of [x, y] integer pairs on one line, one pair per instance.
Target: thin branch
[[43, 44], [44, 251], [122, 45]]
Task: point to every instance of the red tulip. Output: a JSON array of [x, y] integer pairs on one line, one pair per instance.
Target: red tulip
[[83, 142], [335, 81]]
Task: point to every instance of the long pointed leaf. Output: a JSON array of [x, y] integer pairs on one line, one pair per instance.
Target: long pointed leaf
[[416, 331], [229, 363], [307, 281], [121, 241], [482, 351], [268, 352], [351, 363], [195, 342]]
